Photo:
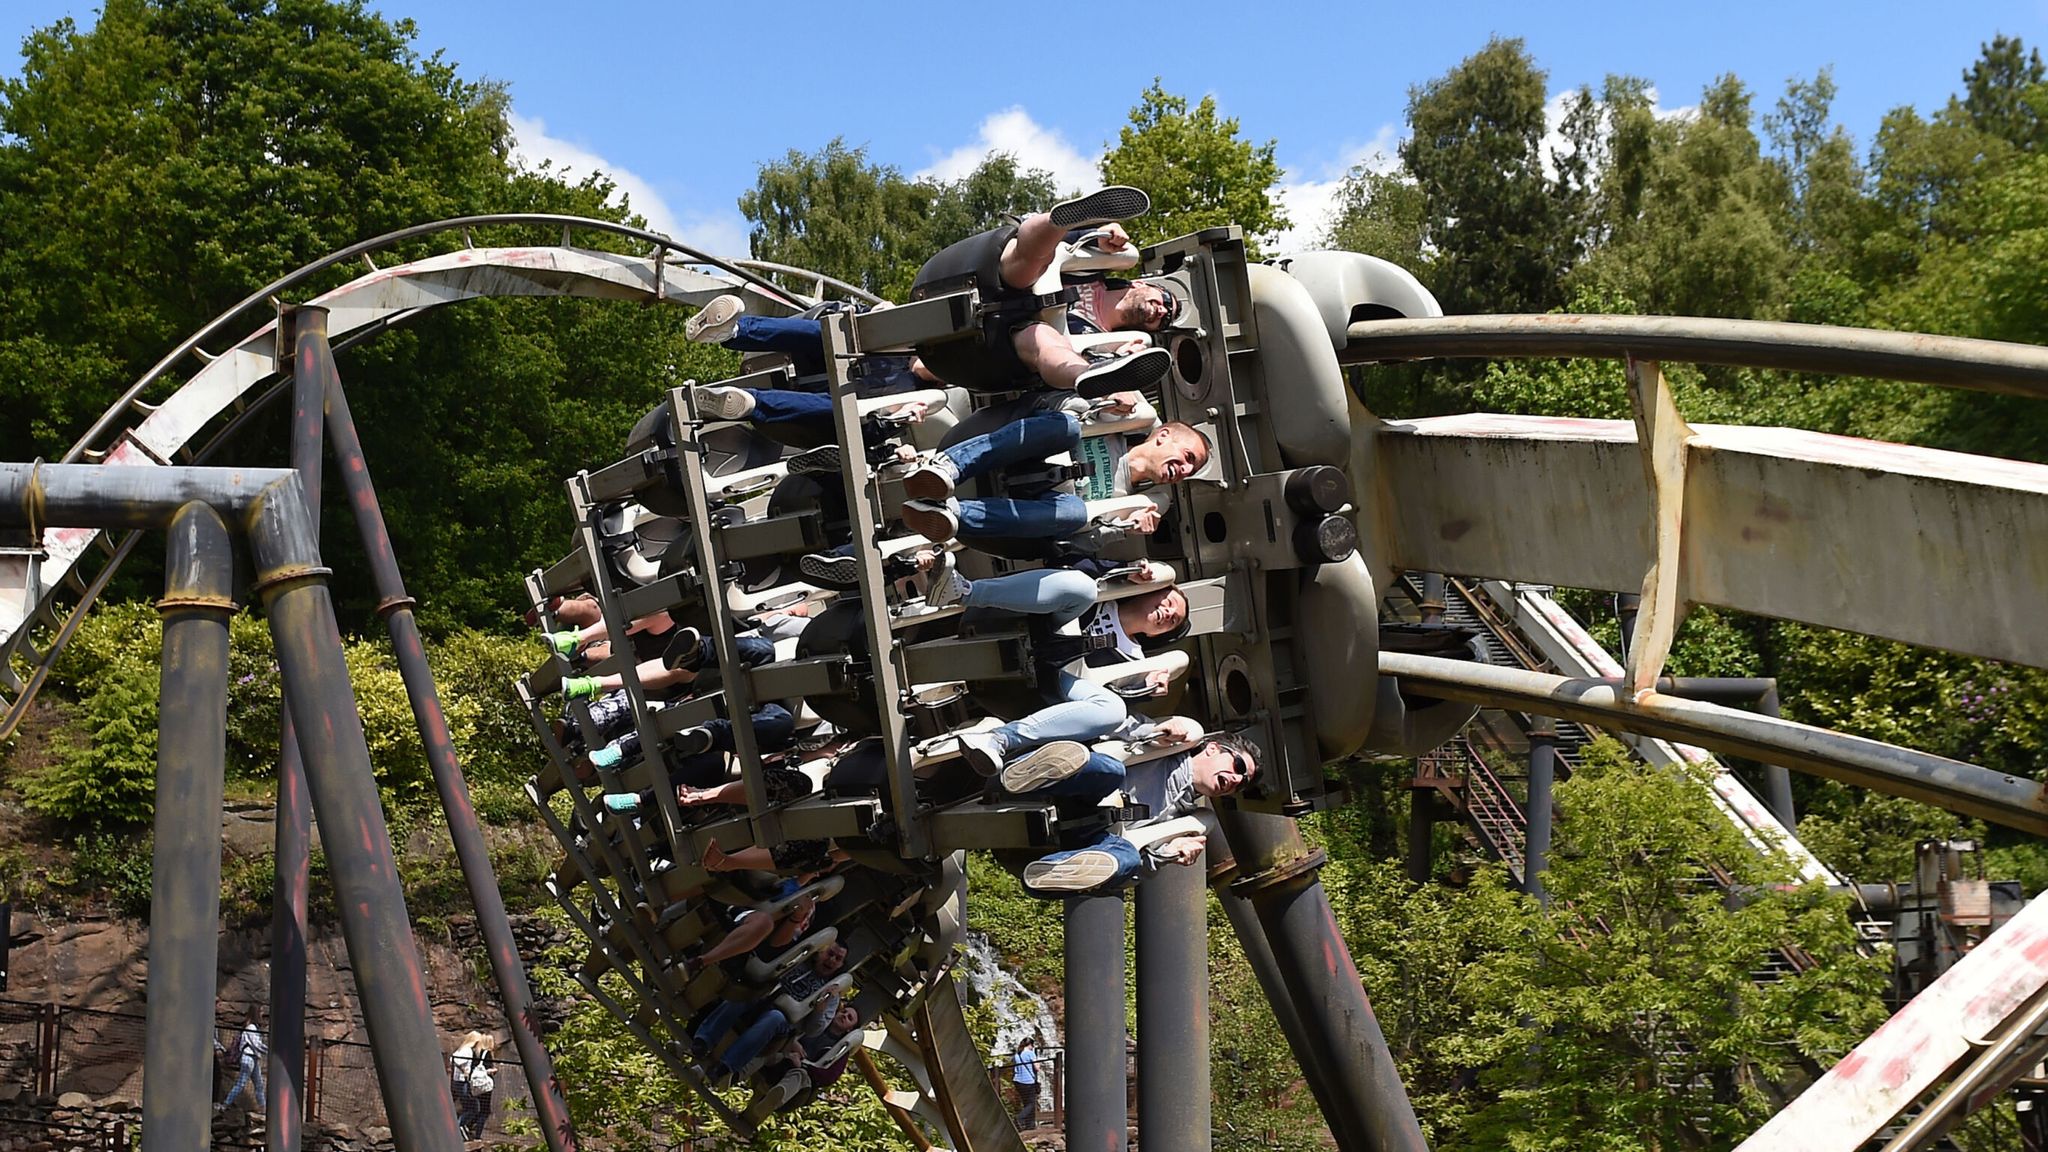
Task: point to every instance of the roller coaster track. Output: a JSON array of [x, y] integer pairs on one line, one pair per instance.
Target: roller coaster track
[[170, 416], [1770, 521]]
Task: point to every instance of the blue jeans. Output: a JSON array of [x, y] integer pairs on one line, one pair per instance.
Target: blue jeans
[[793, 336], [1086, 711], [774, 728], [764, 1030], [1059, 594], [252, 1069], [1130, 863], [1018, 442], [1100, 776], [781, 406], [1050, 516]]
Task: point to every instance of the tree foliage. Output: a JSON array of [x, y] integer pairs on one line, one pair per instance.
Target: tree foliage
[[1501, 238], [1624, 1014], [833, 211], [1190, 160]]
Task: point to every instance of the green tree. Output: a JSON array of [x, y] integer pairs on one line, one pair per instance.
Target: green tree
[[1503, 241], [156, 169], [2002, 93], [1196, 169], [1649, 1031], [1380, 214], [1713, 236], [833, 211]]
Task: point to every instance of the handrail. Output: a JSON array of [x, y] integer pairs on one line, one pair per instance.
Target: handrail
[[119, 409], [1950, 361], [822, 280]]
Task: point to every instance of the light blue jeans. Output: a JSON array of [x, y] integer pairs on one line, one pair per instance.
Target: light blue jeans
[[1086, 711], [252, 1069]]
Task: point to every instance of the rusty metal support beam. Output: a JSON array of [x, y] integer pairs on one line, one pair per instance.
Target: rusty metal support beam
[[1951, 361], [1097, 1118], [184, 904], [1542, 775], [464, 829], [1951, 784], [312, 370], [270, 506], [1365, 1103]]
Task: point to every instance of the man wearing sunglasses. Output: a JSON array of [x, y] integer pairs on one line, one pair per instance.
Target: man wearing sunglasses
[[1176, 789], [1016, 272]]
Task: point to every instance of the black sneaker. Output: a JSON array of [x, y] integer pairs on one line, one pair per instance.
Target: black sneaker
[[1124, 374], [824, 460], [825, 570], [691, 741], [685, 651], [1116, 202]]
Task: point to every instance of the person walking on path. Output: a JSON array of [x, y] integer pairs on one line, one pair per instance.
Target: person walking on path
[[1024, 1075], [250, 1050]]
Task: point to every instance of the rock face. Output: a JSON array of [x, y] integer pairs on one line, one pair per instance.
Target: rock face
[[95, 971]]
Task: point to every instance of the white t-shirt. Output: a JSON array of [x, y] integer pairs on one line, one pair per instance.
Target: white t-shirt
[[1104, 620]]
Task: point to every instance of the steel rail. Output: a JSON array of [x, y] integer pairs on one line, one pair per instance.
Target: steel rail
[[263, 296], [1949, 361], [817, 278], [1605, 703]]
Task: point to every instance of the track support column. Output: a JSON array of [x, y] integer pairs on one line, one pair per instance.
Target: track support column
[[1367, 1108], [396, 607], [1542, 776], [389, 978], [1098, 1118], [184, 905], [1173, 1010], [312, 368]]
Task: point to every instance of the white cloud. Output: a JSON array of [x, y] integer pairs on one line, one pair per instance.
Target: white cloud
[[1310, 203], [719, 234], [1033, 144]]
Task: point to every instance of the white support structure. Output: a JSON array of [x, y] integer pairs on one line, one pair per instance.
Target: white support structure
[[1560, 639], [1966, 1007]]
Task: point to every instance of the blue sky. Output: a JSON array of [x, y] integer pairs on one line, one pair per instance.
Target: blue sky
[[681, 100]]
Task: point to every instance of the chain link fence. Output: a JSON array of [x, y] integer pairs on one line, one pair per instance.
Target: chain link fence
[[48, 1051]]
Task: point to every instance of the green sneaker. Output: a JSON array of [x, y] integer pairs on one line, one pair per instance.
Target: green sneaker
[[562, 644], [579, 687]]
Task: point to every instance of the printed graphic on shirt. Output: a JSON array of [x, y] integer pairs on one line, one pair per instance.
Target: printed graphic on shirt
[[1101, 454], [1091, 305], [1103, 620]]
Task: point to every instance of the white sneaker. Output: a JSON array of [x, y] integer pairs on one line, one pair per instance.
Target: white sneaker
[[933, 479], [948, 586], [1041, 766], [982, 752], [715, 322], [720, 402], [1081, 872]]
